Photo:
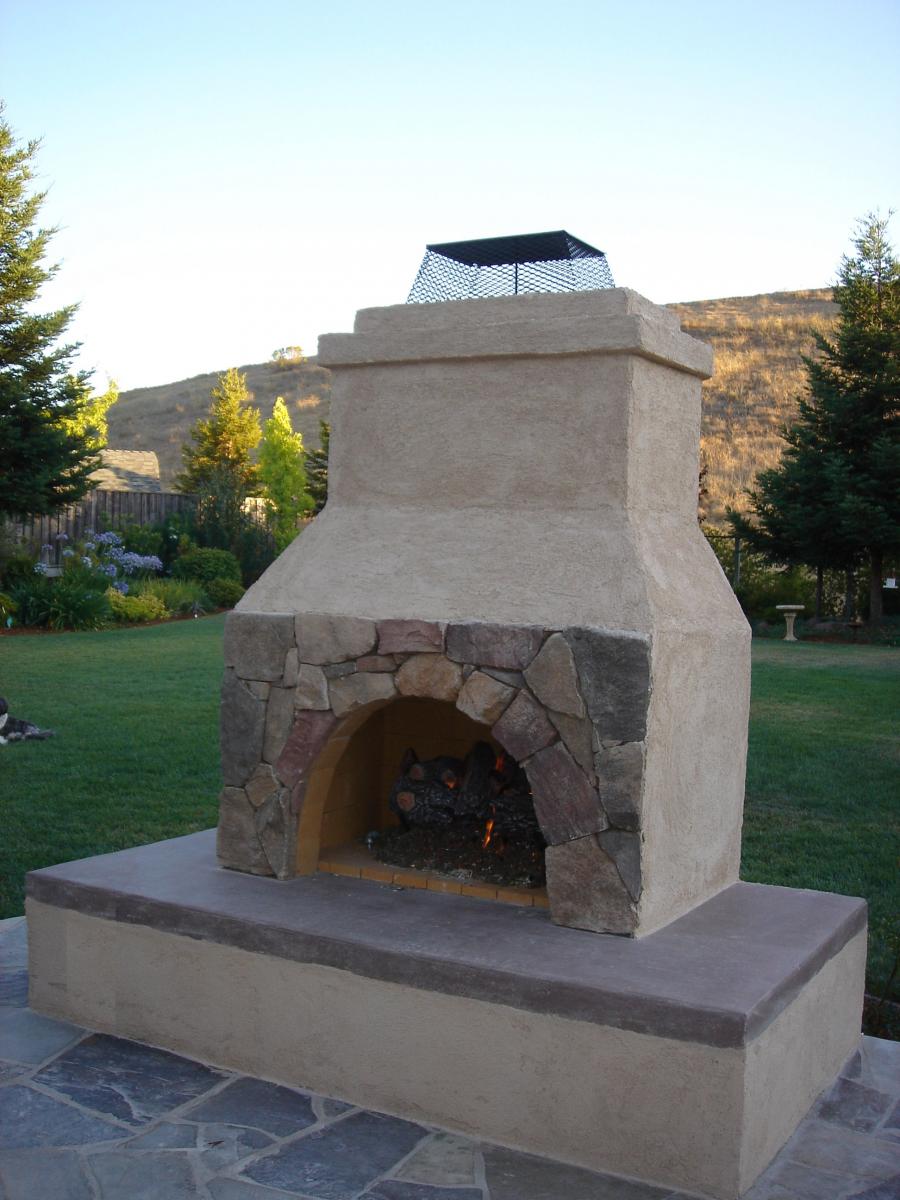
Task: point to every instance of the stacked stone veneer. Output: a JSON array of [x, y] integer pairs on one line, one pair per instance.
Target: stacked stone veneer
[[569, 704]]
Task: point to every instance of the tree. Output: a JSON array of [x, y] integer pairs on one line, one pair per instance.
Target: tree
[[283, 475], [317, 469], [44, 462], [222, 443], [90, 421], [834, 501]]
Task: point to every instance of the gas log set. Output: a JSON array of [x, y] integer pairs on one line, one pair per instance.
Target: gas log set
[[470, 818]]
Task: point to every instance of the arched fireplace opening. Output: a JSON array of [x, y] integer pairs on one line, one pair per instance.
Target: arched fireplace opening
[[415, 792]]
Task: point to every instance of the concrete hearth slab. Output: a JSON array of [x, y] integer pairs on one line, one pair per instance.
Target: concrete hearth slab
[[684, 1060], [718, 976]]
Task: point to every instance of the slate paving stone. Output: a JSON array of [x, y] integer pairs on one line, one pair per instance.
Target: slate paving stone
[[277, 1110], [43, 1175], [854, 1105], [128, 1081], [511, 1175], [891, 1127], [338, 1162], [10, 1070], [224, 1145], [150, 1176], [876, 1064], [165, 1136], [237, 1189], [394, 1189], [27, 1037], [13, 944], [889, 1190], [832, 1148], [14, 987], [792, 1181], [444, 1160], [29, 1118]]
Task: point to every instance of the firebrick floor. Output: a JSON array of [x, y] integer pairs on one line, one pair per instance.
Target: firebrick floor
[[84, 1116]]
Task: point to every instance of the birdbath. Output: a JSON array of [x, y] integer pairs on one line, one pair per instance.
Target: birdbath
[[790, 616]]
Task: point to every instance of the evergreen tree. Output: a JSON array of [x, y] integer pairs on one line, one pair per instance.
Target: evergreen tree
[[222, 443], [44, 464], [834, 501], [90, 421], [283, 475], [317, 469]]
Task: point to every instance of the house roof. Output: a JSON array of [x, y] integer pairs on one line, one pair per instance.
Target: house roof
[[128, 471]]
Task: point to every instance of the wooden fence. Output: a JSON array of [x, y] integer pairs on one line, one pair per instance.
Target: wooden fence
[[99, 510]]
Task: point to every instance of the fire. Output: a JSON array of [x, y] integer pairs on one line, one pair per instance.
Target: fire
[[488, 833]]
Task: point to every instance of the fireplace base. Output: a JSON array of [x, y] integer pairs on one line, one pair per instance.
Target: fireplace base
[[685, 1059]]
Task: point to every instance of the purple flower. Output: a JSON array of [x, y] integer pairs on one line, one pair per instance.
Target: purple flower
[[89, 546], [62, 537], [109, 539], [41, 568], [109, 569], [121, 587], [86, 561], [68, 552], [46, 546]]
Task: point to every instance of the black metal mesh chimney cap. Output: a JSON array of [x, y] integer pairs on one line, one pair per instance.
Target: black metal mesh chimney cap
[[509, 266]]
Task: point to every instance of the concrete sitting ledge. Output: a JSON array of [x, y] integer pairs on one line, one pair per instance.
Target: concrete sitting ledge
[[684, 1059]]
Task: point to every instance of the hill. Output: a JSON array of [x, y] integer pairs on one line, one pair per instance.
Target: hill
[[758, 343]]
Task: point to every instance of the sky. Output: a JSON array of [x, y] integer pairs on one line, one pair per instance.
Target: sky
[[228, 178]]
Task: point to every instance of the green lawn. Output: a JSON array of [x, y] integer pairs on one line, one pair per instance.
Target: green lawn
[[136, 758]]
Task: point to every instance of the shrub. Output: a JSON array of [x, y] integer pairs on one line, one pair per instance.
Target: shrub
[[207, 564], [76, 604], [144, 539], [177, 595], [16, 567], [8, 607], [135, 608], [224, 593], [31, 596]]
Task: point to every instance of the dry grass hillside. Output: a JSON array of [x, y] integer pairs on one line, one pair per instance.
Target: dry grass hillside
[[758, 341], [161, 418], [758, 375]]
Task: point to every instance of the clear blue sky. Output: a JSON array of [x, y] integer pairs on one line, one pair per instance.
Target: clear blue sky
[[229, 178]]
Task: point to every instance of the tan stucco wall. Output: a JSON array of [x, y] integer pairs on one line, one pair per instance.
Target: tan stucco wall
[[670, 1112]]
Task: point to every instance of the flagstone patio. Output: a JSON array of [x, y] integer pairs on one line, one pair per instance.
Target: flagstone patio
[[85, 1116]]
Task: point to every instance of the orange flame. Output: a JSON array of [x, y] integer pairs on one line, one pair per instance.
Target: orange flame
[[488, 834]]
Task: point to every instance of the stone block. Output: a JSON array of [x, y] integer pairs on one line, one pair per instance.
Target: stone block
[[410, 637], [322, 638], [237, 844], [511, 678], [276, 832], [578, 734], [261, 784], [291, 668], [257, 689], [585, 888], [620, 779], [359, 689], [566, 804], [430, 675], [510, 647], [338, 670], [310, 732], [625, 851], [524, 728], [279, 719], [241, 730], [484, 699], [255, 644], [553, 678], [312, 688], [376, 662], [614, 677]]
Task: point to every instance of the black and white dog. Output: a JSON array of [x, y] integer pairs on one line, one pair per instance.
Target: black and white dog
[[13, 729]]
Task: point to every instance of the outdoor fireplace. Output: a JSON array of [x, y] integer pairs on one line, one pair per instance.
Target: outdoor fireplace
[[510, 536], [506, 613]]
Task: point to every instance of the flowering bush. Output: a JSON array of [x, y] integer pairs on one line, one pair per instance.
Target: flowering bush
[[135, 608]]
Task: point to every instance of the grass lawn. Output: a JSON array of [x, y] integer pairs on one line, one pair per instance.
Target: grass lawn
[[136, 758]]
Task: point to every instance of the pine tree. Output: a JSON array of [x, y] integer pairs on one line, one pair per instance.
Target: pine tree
[[283, 475], [44, 464], [222, 443], [833, 500], [317, 469]]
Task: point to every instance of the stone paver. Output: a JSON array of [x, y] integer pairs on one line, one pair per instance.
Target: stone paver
[[90, 1117]]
